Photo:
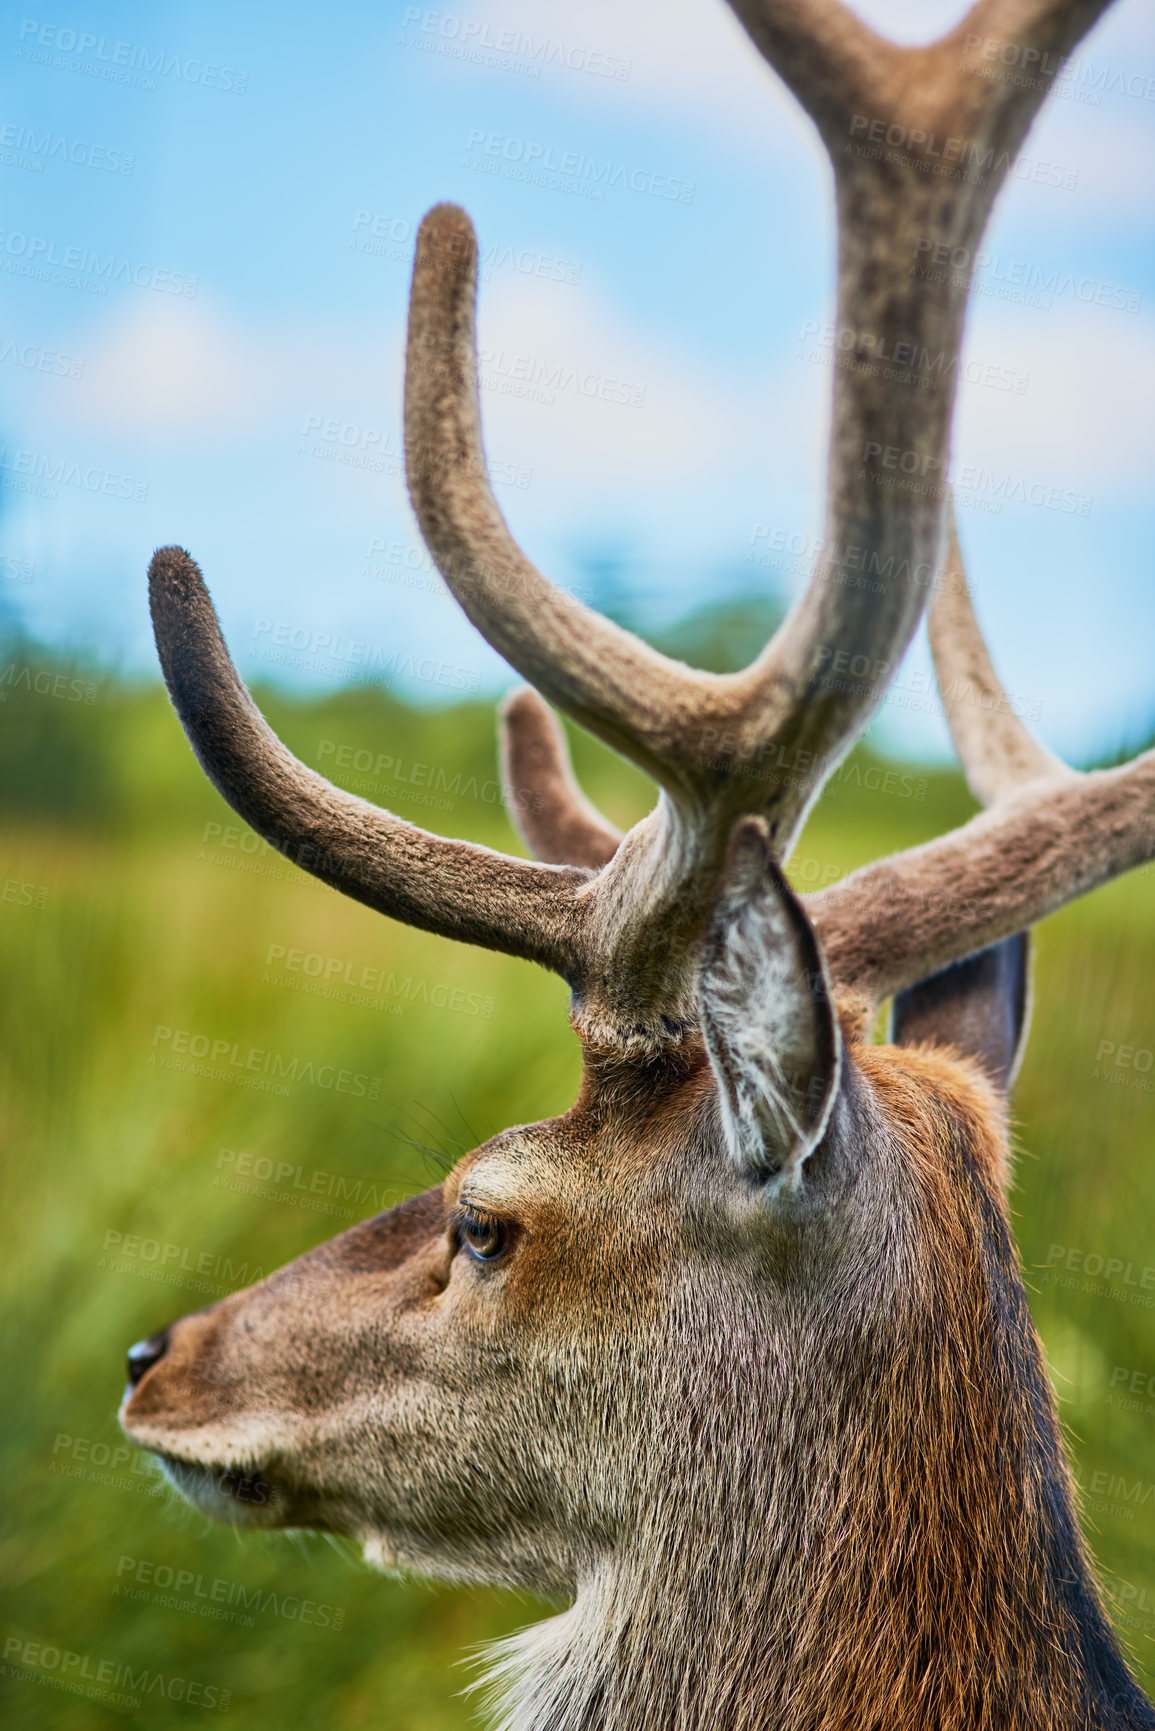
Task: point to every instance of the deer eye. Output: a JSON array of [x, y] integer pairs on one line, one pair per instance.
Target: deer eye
[[483, 1238]]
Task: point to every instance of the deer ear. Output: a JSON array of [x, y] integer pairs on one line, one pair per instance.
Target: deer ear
[[980, 1006], [767, 1013]]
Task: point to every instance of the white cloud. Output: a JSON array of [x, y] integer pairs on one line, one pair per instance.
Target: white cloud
[[173, 367], [184, 372]]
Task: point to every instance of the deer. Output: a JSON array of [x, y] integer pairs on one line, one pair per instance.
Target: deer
[[733, 1360]]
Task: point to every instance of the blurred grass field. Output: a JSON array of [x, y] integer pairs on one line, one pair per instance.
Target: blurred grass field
[[134, 903]]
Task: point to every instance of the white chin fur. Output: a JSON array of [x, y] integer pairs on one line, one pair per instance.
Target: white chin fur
[[379, 1555], [223, 1494]]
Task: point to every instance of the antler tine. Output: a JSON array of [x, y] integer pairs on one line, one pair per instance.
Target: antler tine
[[544, 800], [620, 689], [830, 59], [998, 752], [1041, 31], [889, 116], [450, 887], [1050, 834], [894, 922]]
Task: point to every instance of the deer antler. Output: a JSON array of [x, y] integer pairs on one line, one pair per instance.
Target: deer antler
[[1049, 835], [451, 887], [999, 755], [759, 742], [839, 68], [544, 800]]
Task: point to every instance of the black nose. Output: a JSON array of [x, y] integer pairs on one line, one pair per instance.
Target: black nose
[[145, 1354]]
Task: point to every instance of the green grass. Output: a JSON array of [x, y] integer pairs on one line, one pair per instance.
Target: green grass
[[153, 919]]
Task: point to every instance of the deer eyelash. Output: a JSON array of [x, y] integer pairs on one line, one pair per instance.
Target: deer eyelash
[[468, 1223]]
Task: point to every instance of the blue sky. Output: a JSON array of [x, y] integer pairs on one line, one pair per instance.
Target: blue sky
[[232, 381]]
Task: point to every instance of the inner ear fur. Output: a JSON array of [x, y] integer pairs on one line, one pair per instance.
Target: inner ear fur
[[979, 1006], [768, 1014]]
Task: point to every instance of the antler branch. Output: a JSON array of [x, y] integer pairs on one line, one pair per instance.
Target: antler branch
[[896, 921], [998, 753], [450, 887], [616, 686], [841, 70], [545, 802], [1049, 835], [830, 59]]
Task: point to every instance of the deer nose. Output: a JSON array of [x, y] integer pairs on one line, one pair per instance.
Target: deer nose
[[145, 1354]]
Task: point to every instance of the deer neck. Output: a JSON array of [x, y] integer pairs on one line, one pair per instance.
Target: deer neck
[[783, 1644], [918, 1571]]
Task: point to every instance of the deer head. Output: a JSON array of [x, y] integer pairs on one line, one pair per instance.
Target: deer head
[[734, 1356]]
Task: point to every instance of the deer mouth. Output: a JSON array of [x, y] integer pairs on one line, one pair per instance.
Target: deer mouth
[[250, 1496]]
